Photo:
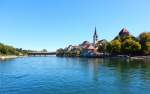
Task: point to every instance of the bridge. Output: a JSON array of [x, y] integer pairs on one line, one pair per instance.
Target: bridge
[[41, 53]]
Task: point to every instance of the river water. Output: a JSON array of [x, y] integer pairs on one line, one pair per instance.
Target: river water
[[55, 75]]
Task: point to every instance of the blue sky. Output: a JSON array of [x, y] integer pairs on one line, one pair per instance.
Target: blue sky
[[51, 24]]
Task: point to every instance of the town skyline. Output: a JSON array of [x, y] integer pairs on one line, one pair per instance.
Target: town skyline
[[91, 40]]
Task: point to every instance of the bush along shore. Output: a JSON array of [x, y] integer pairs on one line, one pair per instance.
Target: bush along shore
[[9, 52], [124, 45]]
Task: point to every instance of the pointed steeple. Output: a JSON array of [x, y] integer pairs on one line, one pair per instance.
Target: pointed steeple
[[95, 37], [95, 32]]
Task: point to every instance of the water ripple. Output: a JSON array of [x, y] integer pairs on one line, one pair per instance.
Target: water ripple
[[52, 75]]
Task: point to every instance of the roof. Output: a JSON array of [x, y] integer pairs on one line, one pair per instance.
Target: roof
[[85, 43], [124, 31], [85, 46], [91, 47]]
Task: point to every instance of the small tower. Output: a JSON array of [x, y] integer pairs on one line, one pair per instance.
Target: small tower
[[95, 37]]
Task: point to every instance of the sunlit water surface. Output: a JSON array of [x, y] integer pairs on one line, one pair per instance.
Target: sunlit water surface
[[55, 75]]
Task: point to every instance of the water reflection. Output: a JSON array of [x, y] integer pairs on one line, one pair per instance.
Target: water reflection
[[59, 75], [125, 71]]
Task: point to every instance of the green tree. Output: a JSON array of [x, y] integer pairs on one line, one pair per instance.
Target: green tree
[[44, 50], [144, 37], [115, 46], [10, 50], [109, 47], [102, 46], [130, 46], [60, 52], [146, 48], [144, 41]]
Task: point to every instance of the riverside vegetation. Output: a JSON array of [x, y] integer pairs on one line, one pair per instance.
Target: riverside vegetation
[[123, 44], [7, 50]]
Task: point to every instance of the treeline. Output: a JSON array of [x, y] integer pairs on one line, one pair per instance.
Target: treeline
[[130, 45], [10, 50]]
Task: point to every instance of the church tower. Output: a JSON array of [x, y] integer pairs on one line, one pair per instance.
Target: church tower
[[95, 37]]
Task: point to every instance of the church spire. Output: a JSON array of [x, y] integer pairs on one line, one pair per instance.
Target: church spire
[[95, 37], [95, 32]]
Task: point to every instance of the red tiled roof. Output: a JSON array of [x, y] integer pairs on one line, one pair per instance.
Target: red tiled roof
[[91, 48]]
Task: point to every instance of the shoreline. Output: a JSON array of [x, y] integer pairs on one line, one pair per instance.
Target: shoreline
[[118, 56], [9, 57], [125, 57], [140, 58]]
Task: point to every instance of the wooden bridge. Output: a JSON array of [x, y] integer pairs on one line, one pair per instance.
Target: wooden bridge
[[41, 53]]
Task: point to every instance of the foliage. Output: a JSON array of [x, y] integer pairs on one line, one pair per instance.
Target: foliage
[[9, 50], [102, 46], [127, 45], [146, 48], [145, 42], [122, 44], [130, 46], [114, 47], [44, 50], [108, 47], [60, 52], [73, 52], [144, 37]]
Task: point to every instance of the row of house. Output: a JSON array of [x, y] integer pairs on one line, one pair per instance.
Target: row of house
[[86, 49], [95, 49]]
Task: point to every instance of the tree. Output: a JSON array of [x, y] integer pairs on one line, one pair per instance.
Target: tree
[[60, 52], [10, 50], [44, 50], [130, 46], [115, 46], [146, 48], [144, 37], [125, 38], [102, 46], [108, 47], [144, 41]]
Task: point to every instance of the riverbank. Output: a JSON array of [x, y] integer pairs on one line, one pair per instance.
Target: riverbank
[[9, 57], [140, 58], [126, 57], [115, 57]]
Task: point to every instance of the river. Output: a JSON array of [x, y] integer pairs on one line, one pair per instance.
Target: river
[[56, 75]]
